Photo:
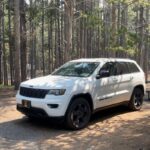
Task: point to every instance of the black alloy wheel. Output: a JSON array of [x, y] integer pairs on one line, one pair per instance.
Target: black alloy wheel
[[136, 99], [78, 114]]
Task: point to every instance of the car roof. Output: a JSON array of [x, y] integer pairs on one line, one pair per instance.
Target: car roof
[[101, 60]]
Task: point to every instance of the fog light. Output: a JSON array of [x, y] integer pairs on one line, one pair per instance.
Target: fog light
[[53, 105]]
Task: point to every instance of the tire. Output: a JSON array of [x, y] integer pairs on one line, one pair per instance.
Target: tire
[[136, 100], [78, 114], [31, 118]]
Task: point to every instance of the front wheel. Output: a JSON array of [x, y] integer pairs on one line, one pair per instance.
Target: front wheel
[[78, 114], [136, 99]]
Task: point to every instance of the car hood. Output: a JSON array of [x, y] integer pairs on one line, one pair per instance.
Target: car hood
[[50, 81]]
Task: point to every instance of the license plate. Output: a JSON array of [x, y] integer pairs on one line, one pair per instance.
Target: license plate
[[26, 104]]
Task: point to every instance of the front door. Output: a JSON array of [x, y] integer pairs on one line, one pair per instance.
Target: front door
[[105, 86]]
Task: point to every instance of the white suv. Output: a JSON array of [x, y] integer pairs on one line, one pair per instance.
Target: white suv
[[80, 87]]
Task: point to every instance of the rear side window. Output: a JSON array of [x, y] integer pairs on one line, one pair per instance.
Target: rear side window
[[116, 68], [122, 68], [133, 68]]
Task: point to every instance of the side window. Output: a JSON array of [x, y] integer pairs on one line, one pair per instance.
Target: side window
[[122, 68], [109, 66], [133, 68]]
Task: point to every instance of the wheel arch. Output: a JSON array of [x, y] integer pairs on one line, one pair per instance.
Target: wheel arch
[[86, 96], [140, 86], [131, 104]]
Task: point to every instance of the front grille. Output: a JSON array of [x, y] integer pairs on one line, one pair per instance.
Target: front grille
[[34, 93]]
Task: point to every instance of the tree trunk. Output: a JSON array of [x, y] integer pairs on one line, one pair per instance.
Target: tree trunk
[[49, 46], [58, 37], [146, 52], [4, 51], [17, 43], [10, 45], [141, 42], [113, 28], [43, 52], [32, 74], [69, 6], [1, 14], [23, 40], [62, 37]]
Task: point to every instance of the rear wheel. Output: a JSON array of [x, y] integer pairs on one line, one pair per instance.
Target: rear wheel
[[78, 114], [136, 99]]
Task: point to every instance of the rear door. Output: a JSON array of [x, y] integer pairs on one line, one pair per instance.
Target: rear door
[[135, 73], [123, 82]]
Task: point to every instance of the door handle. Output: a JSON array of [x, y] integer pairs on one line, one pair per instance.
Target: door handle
[[131, 78], [115, 79]]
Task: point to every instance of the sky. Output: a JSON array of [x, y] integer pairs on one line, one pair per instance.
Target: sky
[[101, 2], [27, 1]]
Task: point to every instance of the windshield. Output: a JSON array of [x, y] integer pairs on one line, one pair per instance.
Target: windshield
[[77, 69]]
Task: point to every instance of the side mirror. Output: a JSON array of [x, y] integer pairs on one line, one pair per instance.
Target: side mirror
[[103, 74], [98, 76]]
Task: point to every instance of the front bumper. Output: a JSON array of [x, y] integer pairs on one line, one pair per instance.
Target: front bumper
[[42, 106], [33, 112]]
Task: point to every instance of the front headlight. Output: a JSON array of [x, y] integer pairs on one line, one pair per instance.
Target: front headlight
[[56, 92]]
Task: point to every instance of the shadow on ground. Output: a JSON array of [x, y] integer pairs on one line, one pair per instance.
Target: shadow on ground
[[106, 130]]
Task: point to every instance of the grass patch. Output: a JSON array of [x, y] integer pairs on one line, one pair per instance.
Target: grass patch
[[6, 86]]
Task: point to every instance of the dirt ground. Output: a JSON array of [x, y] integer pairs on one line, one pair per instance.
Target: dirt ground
[[113, 129]]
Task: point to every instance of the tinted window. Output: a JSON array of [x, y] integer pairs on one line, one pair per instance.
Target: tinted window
[[133, 68], [121, 68], [109, 66]]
